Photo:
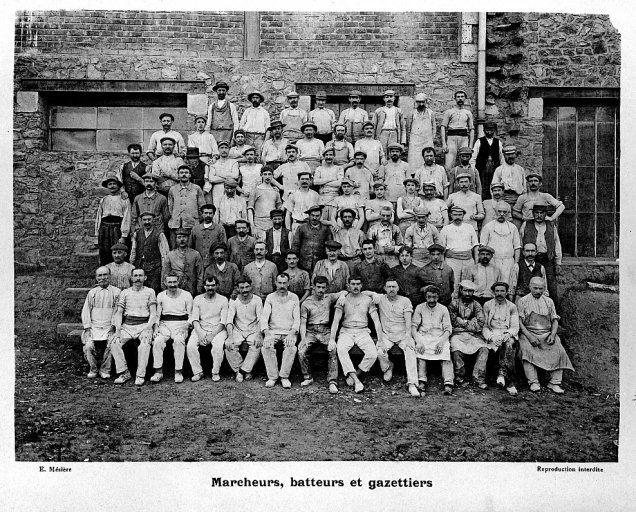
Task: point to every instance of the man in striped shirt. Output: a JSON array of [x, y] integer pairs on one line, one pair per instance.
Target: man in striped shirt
[[120, 270]]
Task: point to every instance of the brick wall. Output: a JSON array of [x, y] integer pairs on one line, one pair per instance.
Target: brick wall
[[131, 32], [353, 35]]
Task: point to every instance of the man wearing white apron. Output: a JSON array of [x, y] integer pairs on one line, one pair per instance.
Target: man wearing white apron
[[420, 129], [293, 118]]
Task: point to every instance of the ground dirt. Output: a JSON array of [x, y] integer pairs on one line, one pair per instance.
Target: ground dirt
[[62, 416]]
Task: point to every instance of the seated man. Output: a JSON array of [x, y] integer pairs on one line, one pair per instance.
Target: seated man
[[209, 312], [467, 318], [174, 307], [315, 329], [353, 309], [539, 343], [501, 331], [134, 319], [242, 325], [280, 324], [395, 314], [431, 329], [97, 318]]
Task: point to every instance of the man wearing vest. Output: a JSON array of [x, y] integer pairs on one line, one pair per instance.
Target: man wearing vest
[[149, 248], [522, 272], [544, 235], [487, 156], [131, 173], [222, 115], [277, 240]]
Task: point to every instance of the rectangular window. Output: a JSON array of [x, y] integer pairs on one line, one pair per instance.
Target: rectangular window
[[110, 121], [581, 166]]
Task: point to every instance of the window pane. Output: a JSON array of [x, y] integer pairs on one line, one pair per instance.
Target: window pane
[[336, 107], [606, 143], [567, 136], [585, 143], [74, 117], [605, 235], [567, 229], [73, 140], [585, 235], [116, 118], [549, 181], [585, 189], [605, 189], [549, 143], [567, 187], [617, 189], [117, 140], [618, 234], [606, 114]]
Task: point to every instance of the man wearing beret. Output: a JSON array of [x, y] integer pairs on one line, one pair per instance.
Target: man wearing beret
[[358, 172], [464, 167], [222, 115], [353, 118], [483, 274], [522, 209], [186, 263], [112, 222], [149, 250], [206, 233], [431, 171], [203, 141], [511, 175], [460, 241], [487, 156], [310, 238], [468, 200], [503, 237], [343, 150], [224, 169], [131, 173], [155, 145], [323, 118], [120, 270], [394, 172], [298, 201], [309, 147], [457, 129], [293, 117], [231, 208], [277, 239], [165, 167], [290, 170], [150, 201], [389, 122], [420, 131], [184, 202], [255, 121], [372, 148], [335, 270], [273, 150]]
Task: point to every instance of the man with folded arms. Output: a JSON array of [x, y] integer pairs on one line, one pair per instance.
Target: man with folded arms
[[174, 307], [309, 147], [503, 237], [134, 319], [420, 236], [206, 233], [299, 201], [209, 314], [310, 238], [165, 167], [280, 324], [261, 272], [273, 150], [349, 238], [203, 142]]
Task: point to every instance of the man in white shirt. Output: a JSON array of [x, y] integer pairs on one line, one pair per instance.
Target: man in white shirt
[[255, 121], [353, 118], [155, 148], [512, 175], [203, 141], [323, 118], [389, 122], [431, 171]]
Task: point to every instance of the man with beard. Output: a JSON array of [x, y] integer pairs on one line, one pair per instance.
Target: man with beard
[[119, 269], [349, 238], [464, 167], [223, 170], [241, 246], [353, 118], [184, 202], [134, 319], [209, 315], [204, 142], [438, 273], [431, 328], [539, 342], [467, 318], [298, 201], [226, 273], [354, 310], [523, 271], [469, 201], [97, 319], [150, 201], [512, 176], [437, 208], [457, 129], [420, 236], [372, 148], [420, 131], [460, 241], [293, 117], [430, 171], [273, 150], [310, 238], [243, 325], [335, 270], [185, 263], [487, 156], [371, 271], [501, 331], [504, 238], [277, 240], [544, 235], [496, 192], [174, 308], [389, 122], [482, 274], [360, 174], [373, 207], [394, 172], [310, 148], [255, 121], [231, 208], [198, 169], [387, 238], [410, 278], [291, 170], [261, 272], [149, 250], [112, 222], [165, 167], [132, 172], [523, 207], [222, 115], [263, 199], [207, 233], [280, 324], [155, 144], [343, 150], [323, 118]]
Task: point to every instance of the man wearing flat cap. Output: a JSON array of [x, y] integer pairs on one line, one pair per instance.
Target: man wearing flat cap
[[373, 206], [222, 115], [250, 172], [263, 199], [440, 274], [543, 233], [353, 118], [120, 270], [310, 238], [224, 169], [468, 200], [155, 147], [389, 122], [273, 149], [328, 177], [290, 171], [522, 209], [420, 131], [395, 171], [431, 171], [298, 201], [255, 121], [490, 205], [206, 233], [323, 118], [420, 236], [186, 263], [165, 167], [464, 167], [358, 172], [293, 117], [309, 147], [487, 156], [511, 175], [343, 149], [203, 141], [406, 203], [225, 272], [482, 274], [457, 129], [149, 250], [112, 222], [335, 270], [460, 241], [372, 148]]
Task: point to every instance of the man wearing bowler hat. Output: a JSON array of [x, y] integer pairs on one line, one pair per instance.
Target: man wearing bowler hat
[[222, 115], [198, 168], [323, 118], [255, 121], [112, 223], [155, 147], [389, 122], [457, 129], [293, 117], [203, 141], [353, 118]]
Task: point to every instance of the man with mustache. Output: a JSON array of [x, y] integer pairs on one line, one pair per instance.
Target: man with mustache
[[150, 201], [222, 115], [323, 118], [155, 145], [166, 166], [255, 121], [149, 250], [522, 209], [293, 117], [457, 129], [389, 122], [132, 172], [353, 118]]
